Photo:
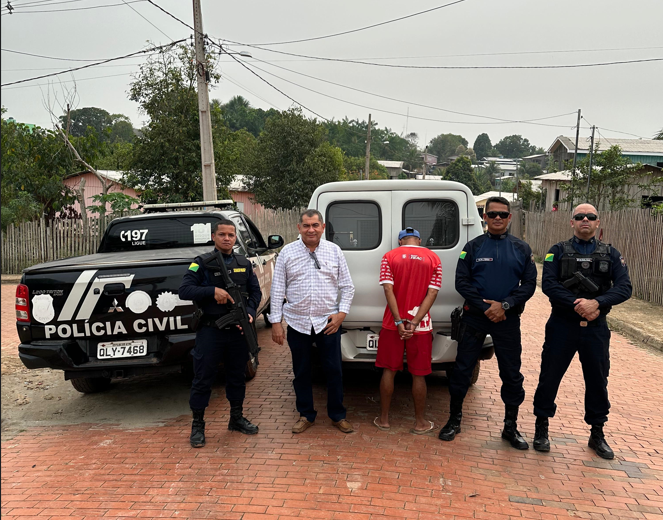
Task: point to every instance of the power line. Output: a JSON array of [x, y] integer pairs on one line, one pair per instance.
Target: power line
[[616, 131], [150, 50], [71, 81], [412, 102], [171, 15], [237, 83], [148, 21], [39, 4], [398, 113], [365, 27], [72, 9], [48, 57], [449, 67]]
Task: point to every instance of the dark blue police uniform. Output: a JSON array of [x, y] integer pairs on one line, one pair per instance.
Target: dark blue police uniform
[[213, 344], [499, 268], [567, 332]]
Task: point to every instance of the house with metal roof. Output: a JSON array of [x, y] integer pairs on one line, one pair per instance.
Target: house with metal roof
[[644, 151]]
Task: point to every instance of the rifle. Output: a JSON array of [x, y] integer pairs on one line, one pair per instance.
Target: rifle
[[579, 278], [238, 314]]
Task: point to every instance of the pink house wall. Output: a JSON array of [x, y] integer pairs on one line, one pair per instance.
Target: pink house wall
[[93, 187], [250, 207]]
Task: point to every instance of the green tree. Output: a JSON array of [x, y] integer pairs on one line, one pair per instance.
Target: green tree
[[445, 145], [531, 198], [482, 146], [350, 136], [119, 202], [354, 169], [165, 163], [659, 136], [609, 182], [516, 146], [108, 127], [34, 165], [461, 171], [292, 159], [528, 170], [238, 114]]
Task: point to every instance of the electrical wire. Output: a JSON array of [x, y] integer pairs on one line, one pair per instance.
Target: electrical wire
[[365, 27], [448, 67], [70, 81], [400, 114], [171, 15], [39, 4], [225, 76], [412, 103], [15, 11], [147, 20], [47, 57], [150, 50]]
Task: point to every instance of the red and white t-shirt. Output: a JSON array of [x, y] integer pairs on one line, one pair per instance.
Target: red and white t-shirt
[[411, 270]]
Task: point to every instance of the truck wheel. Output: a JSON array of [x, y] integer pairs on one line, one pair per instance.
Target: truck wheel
[[251, 367], [475, 373], [90, 385]]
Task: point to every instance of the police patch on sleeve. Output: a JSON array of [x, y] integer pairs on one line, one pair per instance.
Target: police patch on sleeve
[[462, 255], [621, 259], [549, 257], [194, 267]]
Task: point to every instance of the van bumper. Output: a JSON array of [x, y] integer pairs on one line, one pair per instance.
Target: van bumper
[[354, 351]]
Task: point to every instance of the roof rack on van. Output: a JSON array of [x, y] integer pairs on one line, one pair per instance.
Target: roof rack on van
[[180, 206]]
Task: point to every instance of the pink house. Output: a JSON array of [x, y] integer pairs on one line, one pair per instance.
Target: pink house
[[243, 197], [93, 186]]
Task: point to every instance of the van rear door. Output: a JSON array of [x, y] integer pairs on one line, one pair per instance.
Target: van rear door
[[438, 216], [361, 225]]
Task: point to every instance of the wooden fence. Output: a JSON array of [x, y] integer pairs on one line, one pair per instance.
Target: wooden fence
[[40, 241], [635, 233]]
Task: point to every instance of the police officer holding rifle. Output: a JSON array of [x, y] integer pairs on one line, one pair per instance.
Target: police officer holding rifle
[[584, 278], [227, 291]]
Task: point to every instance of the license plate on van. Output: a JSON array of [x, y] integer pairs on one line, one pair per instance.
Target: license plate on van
[[122, 349], [372, 341]]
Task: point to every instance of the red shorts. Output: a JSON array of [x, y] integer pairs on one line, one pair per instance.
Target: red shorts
[[419, 350]]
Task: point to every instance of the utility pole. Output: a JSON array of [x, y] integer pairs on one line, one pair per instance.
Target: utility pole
[[202, 74], [591, 157], [368, 147], [575, 157], [425, 165]]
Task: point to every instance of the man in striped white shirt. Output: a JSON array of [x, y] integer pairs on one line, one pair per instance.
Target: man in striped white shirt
[[313, 276]]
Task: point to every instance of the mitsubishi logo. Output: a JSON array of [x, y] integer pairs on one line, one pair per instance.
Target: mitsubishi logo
[[115, 307]]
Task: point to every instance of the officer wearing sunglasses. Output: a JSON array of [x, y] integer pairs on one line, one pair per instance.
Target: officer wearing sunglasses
[[496, 275], [584, 278]]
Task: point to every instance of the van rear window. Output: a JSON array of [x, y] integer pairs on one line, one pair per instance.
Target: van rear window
[[354, 225], [158, 233], [437, 221]]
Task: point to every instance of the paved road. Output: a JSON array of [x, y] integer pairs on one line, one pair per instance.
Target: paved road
[[103, 470]]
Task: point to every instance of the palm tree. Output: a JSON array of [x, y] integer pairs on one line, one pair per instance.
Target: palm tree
[[492, 171], [659, 136]]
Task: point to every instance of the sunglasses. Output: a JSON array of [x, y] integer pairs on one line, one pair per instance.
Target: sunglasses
[[315, 259], [581, 216], [502, 214]]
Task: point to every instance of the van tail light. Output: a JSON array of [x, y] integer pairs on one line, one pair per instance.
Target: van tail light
[[22, 303]]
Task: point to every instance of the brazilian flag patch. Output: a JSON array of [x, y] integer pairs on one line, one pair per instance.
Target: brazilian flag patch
[[462, 255], [194, 267], [550, 257]]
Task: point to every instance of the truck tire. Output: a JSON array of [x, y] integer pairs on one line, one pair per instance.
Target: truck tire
[[251, 367], [91, 385], [475, 373]]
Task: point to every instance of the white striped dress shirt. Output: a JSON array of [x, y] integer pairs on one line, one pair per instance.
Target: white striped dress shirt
[[312, 294]]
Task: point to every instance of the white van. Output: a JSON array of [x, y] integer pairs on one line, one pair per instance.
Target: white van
[[364, 218]]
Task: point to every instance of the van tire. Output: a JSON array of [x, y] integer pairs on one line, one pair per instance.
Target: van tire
[[91, 385]]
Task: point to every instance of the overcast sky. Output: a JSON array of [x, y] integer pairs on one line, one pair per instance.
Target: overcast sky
[[625, 98]]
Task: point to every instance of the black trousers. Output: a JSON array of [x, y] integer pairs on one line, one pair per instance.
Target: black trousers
[[213, 346], [565, 337], [508, 348], [329, 347]]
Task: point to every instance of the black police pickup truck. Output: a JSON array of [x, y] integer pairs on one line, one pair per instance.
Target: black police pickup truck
[[116, 313]]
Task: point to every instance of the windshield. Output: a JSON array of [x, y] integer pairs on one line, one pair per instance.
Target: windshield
[[158, 233]]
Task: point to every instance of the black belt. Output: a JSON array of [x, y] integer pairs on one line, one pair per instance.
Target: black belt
[[576, 319]]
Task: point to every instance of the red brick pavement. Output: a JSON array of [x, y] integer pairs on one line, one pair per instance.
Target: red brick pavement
[[99, 471]]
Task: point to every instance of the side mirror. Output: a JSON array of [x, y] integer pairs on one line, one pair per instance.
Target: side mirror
[[274, 241]]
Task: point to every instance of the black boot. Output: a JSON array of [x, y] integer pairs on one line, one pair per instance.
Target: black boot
[[541, 442], [510, 431], [448, 433], [197, 438], [598, 444], [238, 422]]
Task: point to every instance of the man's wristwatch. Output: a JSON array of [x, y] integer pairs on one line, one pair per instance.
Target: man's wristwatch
[[506, 306]]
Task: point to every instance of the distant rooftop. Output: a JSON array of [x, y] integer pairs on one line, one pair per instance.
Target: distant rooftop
[[628, 146]]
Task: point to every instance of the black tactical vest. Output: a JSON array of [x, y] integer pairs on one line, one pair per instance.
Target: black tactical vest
[[238, 270], [596, 266]]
